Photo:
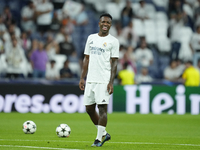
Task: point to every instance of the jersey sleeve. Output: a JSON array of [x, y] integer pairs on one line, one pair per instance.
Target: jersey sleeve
[[115, 49], [87, 47]]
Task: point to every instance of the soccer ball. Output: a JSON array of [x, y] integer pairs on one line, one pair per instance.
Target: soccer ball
[[29, 127], [63, 130]]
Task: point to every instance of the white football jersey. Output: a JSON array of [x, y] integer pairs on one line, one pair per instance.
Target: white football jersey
[[100, 49]]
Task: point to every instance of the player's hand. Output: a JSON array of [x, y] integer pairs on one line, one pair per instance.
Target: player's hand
[[110, 88], [82, 84]]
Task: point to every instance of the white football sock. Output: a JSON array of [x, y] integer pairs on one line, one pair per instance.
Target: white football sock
[[100, 131], [104, 132]]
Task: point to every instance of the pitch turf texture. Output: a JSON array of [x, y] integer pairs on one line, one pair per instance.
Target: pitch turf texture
[[128, 132]]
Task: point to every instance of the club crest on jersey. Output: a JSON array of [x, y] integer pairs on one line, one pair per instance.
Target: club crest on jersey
[[104, 44]]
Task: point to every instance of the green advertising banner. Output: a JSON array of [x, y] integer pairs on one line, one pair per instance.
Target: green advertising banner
[[156, 99]]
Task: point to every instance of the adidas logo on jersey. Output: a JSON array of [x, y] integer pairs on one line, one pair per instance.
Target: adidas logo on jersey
[[104, 100]]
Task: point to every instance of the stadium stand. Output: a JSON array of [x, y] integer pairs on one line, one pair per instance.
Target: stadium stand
[[156, 21]]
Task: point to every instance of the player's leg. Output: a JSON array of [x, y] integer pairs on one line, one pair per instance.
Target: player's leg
[[102, 99], [102, 121], [90, 109]]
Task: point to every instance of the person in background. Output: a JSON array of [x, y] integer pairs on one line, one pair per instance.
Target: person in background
[[143, 76], [142, 12], [25, 42], [66, 47], [28, 18], [171, 72], [125, 76], [52, 73], [43, 15], [66, 72], [198, 65], [7, 16], [14, 58], [143, 55], [39, 60], [126, 14], [191, 75], [195, 45], [52, 47]]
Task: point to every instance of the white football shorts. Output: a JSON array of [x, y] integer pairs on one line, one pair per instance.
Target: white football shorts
[[96, 93]]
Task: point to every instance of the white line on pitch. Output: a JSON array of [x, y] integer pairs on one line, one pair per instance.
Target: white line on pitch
[[36, 147], [146, 143]]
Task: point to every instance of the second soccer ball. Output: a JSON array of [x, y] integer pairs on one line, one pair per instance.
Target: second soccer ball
[[63, 130]]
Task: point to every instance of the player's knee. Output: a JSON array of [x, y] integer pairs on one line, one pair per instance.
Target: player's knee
[[90, 110]]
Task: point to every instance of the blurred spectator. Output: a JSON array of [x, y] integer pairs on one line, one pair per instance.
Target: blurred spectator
[[66, 72], [171, 72], [129, 57], [130, 35], [43, 14], [82, 17], [142, 12], [52, 73], [176, 23], [66, 47], [12, 30], [143, 55], [127, 14], [143, 76], [175, 7], [51, 47], [1, 47], [72, 8], [197, 14], [56, 23], [60, 36], [195, 45], [25, 42], [7, 16], [39, 60], [73, 58], [191, 75], [28, 17], [116, 31], [14, 58], [125, 76], [2, 26], [34, 47], [68, 23], [198, 65], [58, 4]]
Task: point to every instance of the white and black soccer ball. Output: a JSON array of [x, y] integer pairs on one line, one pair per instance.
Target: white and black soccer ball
[[29, 127], [63, 130]]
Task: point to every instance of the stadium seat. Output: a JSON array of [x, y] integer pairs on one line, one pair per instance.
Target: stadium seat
[[138, 27], [60, 59], [150, 31], [3, 63], [161, 29], [164, 44], [135, 7], [114, 10], [186, 34], [75, 68], [185, 52], [161, 16], [151, 10], [161, 3]]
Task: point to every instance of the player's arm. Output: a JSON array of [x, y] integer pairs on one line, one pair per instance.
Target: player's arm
[[84, 72], [114, 62]]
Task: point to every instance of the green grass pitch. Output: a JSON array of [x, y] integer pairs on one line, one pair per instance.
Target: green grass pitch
[[128, 132]]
